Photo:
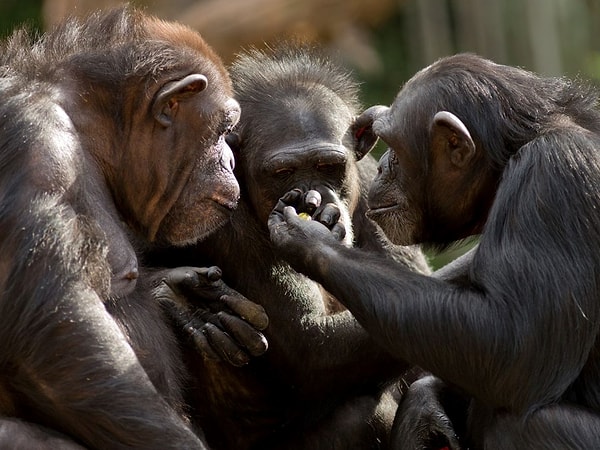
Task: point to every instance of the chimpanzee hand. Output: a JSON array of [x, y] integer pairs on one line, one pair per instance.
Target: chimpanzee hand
[[222, 323], [296, 234], [309, 206], [362, 130]]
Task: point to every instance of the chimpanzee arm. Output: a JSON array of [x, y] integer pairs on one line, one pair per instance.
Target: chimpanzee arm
[[458, 269], [527, 309], [66, 354]]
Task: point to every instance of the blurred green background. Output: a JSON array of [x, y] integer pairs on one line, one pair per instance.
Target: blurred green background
[[14, 12], [383, 41]]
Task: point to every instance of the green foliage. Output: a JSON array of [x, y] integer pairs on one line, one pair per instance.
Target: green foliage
[[592, 66]]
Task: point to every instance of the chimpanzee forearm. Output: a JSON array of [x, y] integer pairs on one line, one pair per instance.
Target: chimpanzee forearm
[[415, 317]]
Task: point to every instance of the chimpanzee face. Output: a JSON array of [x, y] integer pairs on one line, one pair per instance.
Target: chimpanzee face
[[300, 144]]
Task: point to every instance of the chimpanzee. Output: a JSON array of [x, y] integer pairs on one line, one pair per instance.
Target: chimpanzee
[[322, 382], [111, 141], [477, 147]]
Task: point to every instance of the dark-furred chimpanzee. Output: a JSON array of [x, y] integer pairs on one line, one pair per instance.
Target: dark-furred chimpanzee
[[322, 382], [111, 140], [476, 147]]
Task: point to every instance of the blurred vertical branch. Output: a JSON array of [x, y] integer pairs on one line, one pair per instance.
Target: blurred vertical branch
[[551, 37]]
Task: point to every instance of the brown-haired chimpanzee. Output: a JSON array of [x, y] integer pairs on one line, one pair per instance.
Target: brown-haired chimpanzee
[[477, 147], [322, 382], [111, 141]]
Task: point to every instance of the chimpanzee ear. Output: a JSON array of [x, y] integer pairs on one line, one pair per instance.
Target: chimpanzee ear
[[166, 101], [362, 135], [449, 132]]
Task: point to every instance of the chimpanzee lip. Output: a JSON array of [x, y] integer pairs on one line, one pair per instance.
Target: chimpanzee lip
[[229, 205]]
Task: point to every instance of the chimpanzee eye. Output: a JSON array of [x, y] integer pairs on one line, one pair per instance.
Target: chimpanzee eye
[[283, 172]]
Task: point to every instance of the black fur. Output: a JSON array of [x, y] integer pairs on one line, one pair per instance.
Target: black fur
[[518, 330]]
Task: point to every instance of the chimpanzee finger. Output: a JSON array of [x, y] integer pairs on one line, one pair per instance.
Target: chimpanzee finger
[[363, 135], [292, 197], [245, 335], [202, 345], [178, 277], [225, 346], [290, 215], [189, 279], [251, 312], [212, 273], [338, 231], [311, 201], [329, 215], [367, 117], [202, 276]]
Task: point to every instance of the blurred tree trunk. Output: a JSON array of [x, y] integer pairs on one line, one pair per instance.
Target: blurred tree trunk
[[428, 31], [481, 25], [515, 32], [543, 26]]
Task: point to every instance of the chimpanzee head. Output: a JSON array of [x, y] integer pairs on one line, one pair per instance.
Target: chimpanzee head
[[154, 108], [297, 128], [450, 132]]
